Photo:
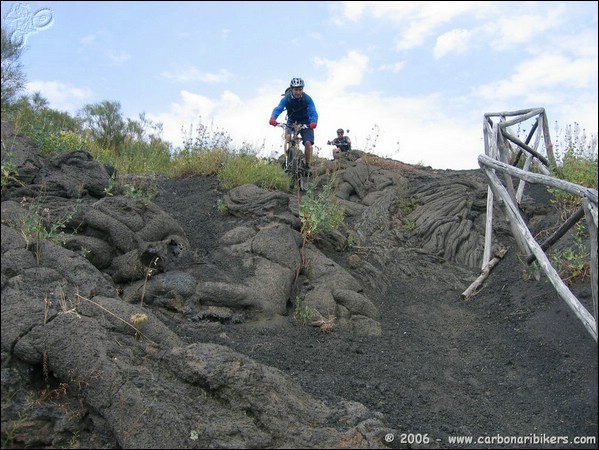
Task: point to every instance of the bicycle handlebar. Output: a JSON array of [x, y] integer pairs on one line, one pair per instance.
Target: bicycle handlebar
[[284, 125]]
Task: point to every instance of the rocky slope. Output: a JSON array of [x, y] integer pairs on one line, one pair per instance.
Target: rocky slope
[[166, 323]]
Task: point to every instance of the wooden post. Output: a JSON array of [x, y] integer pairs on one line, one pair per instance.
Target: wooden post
[[579, 214], [547, 138], [591, 218], [512, 211], [468, 293]]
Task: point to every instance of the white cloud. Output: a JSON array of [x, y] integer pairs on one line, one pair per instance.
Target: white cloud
[[88, 39], [393, 68], [61, 96], [346, 72], [194, 74], [454, 41], [571, 43], [416, 21], [349, 11], [117, 57], [542, 73], [194, 105], [516, 29]]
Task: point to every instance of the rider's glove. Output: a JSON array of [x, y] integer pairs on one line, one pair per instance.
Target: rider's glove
[[312, 125], [328, 142], [273, 121]]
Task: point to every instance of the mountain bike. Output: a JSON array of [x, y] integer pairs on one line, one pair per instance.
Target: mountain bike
[[295, 163]]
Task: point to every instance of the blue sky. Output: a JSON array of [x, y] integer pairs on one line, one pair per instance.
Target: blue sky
[[409, 80]]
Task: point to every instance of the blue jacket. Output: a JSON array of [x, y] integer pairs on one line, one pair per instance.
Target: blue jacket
[[300, 110]]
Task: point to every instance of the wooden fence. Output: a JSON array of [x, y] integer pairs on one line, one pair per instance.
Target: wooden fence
[[500, 144]]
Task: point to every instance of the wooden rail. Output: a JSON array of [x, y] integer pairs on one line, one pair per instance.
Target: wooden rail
[[499, 145]]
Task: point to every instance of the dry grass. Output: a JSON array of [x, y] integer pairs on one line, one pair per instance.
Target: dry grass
[[326, 325]]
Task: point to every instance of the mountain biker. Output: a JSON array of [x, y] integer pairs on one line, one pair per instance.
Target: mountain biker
[[300, 108], [343, 143]]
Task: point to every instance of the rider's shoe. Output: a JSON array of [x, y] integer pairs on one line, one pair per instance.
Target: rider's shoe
[[307, 170]]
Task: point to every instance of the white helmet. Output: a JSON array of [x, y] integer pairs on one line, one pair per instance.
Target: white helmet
[[297, 83]]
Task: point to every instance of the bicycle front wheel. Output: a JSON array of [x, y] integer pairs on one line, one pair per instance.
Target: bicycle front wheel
[[302, 173], [294, 166]]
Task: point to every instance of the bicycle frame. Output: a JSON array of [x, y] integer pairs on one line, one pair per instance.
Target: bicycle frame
[[295, 163]]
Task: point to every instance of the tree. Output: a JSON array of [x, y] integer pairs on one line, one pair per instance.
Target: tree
[[12, 75], [106, 125], [39, 103], [36, 118]]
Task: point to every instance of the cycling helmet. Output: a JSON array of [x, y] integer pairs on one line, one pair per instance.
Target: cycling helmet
[[340, 130], [297, 83]]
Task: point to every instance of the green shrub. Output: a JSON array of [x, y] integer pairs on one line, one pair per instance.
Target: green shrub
[[576, 159], [244, 169], [185, 164], [205, 140], [139, 157], [221, 207], [319, 212], [9, 169], [61, 141], [574, 262], [303, 313]]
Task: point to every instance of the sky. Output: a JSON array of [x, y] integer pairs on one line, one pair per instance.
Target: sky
[[411, 81]]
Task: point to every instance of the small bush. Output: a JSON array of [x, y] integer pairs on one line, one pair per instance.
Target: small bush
[[573, 262], [244, 169], [319, 212], [576, 158], [186, 163], [9, 170], [61, 141], [303, 313]]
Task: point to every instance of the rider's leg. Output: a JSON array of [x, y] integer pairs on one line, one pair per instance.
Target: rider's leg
[[308, 152], [287, 142], [308, 140]]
